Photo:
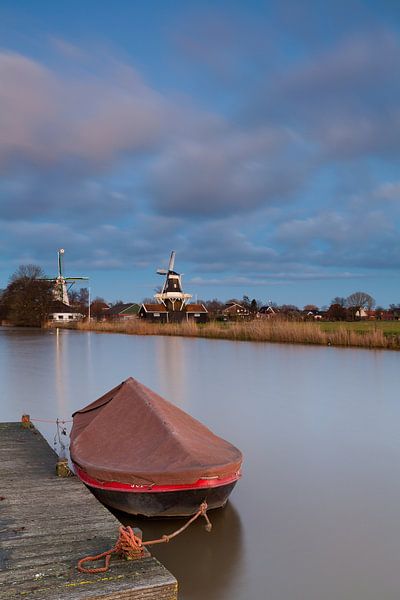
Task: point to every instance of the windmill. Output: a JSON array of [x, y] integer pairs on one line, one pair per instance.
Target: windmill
[[172, 295], [62, 284]]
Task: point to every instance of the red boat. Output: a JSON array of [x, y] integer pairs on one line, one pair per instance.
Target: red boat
[[140, 454]]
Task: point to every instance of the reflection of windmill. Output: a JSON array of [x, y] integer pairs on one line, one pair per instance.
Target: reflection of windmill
[[62, 284], [171, 294]]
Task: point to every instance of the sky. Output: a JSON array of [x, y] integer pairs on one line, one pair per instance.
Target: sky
[[260, 140]]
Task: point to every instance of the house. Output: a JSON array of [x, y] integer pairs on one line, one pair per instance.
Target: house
[[267, 312], [234, 310], [158, 313], [387, 315], [122, 312], [313, 314], [155, 313], [196, 312], [61, 312]]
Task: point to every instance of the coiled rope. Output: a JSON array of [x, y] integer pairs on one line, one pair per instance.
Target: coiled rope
[[130, 546]]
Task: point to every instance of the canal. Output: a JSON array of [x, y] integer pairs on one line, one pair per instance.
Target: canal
[[317, 512]]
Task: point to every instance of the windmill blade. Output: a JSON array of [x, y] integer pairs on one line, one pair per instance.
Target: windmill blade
[[60, 252], [171, 261], [162, 271], [76, 278]]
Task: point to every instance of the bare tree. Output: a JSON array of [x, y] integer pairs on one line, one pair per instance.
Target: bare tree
[[310, 307], [214, 306], [25, 272], [339, 300], [98, 308], [358, 301]]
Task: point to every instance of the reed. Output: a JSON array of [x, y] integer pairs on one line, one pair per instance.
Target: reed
[[256, 331]]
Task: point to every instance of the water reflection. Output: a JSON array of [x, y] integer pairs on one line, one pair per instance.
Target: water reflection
[[60, 379], [171, 368], [207, 565], [319, 429]]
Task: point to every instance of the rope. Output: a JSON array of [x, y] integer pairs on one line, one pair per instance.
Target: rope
[[61, 431], [53, 420], [130, 546]]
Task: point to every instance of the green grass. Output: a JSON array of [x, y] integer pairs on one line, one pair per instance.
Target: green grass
[[387, 327]]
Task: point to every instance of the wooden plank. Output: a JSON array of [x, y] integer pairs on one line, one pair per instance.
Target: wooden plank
[[47, 524]]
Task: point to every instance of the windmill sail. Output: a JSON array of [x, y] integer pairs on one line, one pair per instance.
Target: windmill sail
[[62, 284], [172, 295]]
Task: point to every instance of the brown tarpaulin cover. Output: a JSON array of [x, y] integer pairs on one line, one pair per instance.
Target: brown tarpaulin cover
[[132, 435]]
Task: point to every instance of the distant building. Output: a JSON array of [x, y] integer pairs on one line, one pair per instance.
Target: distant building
[[153, 312], [122, 312], [172, 303], [159, 313], [196, 312], [267, 311], [316, 314], [234, 310], [61, 312]]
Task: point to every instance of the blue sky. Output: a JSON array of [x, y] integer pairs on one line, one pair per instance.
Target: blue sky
[[260, 140]]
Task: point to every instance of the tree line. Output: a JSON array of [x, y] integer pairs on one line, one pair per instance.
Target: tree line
[[29, 298]]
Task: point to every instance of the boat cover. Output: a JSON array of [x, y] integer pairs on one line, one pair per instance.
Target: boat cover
[[133, 435]]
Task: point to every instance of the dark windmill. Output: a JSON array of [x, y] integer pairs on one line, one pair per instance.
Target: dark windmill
[[62, 284], [172, 303], [172, 295]]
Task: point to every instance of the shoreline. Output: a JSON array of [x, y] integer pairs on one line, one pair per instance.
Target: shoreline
[[367, 335]]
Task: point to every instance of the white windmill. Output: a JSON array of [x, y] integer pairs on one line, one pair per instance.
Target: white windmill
[[172, 295], [62, 284]]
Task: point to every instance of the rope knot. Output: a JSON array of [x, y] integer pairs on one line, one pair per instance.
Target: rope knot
[[131, 546]]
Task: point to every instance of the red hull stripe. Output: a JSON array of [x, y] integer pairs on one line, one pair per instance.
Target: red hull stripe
[[116, 486]]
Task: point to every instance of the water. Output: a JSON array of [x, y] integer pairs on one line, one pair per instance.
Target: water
[[316, 514]]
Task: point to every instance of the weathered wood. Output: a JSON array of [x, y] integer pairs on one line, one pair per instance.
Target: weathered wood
[[48, 523]]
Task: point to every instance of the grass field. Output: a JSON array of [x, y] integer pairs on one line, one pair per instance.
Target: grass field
[[387, 327], [371, 334]]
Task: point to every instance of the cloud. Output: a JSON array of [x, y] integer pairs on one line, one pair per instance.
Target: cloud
[[47, 118], [230, 171], [62, 196], [361, 236], [345, 99], [97, 160]]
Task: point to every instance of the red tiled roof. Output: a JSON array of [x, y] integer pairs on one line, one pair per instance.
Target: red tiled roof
[[196, 308], [154, 307]]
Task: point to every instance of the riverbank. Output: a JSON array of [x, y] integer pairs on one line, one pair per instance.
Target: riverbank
[[384, 335]]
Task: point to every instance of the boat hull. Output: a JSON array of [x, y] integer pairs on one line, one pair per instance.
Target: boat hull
[[164, 504]]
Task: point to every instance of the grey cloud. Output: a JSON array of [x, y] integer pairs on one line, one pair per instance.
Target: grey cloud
[[224, 246], [47, 118], [360, 238], [92, 246], [59, 195], [345, 100], [231, 171], [280, 278]]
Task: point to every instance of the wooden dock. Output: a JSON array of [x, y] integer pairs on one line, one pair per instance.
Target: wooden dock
[[48, 523]]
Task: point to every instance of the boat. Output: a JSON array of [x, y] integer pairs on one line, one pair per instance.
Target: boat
[[142, 455]]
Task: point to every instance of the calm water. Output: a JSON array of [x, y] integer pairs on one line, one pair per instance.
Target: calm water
[[316, 515]]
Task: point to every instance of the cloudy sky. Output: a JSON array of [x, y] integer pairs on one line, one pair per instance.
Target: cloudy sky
[[258, 139]]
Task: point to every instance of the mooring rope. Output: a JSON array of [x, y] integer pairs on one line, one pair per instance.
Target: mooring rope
[[61, 431], [62, 421], [132, 547]]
